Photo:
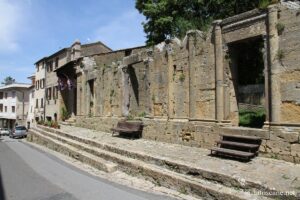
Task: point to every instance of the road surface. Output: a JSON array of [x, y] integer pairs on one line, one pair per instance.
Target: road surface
[[29, 174]]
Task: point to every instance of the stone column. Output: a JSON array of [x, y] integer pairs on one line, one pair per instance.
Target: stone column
[[83, 94], [191, 71], [274, 64], [84, 106], [125, 91], [267, 79], [219, 71]]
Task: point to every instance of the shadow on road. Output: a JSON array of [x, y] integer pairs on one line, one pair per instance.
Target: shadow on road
[[2, 192]]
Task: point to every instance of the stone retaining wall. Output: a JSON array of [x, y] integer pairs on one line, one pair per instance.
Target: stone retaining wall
[[277, 143]]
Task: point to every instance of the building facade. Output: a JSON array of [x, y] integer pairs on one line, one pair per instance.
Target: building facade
[[31, 106], [39, 91], [50, 103], [14, 104]]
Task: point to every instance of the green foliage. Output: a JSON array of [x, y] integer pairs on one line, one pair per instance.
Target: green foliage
[[64, 113], [280, 55], [112, 92], [181, 77], [173, 18], [130, 117], [8, 80], [48, 123], [252, 119], [142, 114], [263, 4], [280, 28]]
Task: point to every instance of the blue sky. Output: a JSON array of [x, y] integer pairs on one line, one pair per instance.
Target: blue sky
[[32, 29]]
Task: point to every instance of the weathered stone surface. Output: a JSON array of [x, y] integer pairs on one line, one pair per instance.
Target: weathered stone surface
[[135, 155], [264, 134], [290, 112], [295, 150], [290, 137], [278, 147]]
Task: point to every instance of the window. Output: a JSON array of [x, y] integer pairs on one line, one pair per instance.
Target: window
[[5, 95], [56, 62], [42, 83], [37, 68], [36, 103], [1, 95], [55, 92], [13, 94], [37, 85], [1, 107], [13, 109], [49, 92], [49, 66], [42, 103], [5, 108]]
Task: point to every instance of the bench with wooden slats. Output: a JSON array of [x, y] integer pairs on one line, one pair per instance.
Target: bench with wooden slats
[[128, 127], [234, 153], [237, 146]]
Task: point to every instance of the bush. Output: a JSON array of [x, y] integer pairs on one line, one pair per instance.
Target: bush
[[64, 114], [254, 119], [54, 124]]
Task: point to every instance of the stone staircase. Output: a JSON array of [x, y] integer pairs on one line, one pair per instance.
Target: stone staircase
[[200, 183], [237, 146], [69, 122]]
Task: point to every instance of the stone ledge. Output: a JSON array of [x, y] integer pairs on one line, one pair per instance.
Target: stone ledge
[[242, 16], [264, 134]]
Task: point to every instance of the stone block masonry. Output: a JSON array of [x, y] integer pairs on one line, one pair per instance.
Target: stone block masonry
[[185, 90]]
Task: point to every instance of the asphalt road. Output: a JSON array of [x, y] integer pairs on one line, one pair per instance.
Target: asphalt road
[[29, 174]]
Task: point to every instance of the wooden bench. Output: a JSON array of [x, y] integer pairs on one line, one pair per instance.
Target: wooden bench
[[128, 127]]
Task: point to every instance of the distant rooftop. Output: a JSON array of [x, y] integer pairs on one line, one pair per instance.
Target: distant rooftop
[[15, 85]]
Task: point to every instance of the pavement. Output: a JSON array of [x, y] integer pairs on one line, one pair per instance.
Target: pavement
[[29, 174], [272, 173]]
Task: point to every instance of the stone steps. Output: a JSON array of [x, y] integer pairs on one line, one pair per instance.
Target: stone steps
[[201, 183], [71, 151], [165, 162]]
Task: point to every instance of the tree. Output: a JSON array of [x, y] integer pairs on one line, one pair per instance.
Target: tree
[[172, 18], [8, 80]]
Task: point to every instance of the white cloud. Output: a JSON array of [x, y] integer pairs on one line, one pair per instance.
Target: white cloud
[[10, 25], [124, 31]]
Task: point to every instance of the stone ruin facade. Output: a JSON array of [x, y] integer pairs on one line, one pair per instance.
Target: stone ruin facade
[[185, 91]]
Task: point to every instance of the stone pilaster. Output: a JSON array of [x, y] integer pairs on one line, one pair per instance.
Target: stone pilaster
[[219, 71], [191, 71], [267, 78], [273, 40], [125, 92], [79, 94], [83, 93]]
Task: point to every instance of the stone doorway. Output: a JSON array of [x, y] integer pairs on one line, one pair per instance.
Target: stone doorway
[[247, 66]]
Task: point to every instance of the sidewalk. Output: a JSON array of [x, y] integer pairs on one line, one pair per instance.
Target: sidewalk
[[280, 175]]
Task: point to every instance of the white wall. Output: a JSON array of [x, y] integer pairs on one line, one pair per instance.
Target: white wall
[[9, 102]]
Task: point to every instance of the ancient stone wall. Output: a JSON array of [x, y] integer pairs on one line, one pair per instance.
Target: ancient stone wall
[[289, 60], [184, 90]]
